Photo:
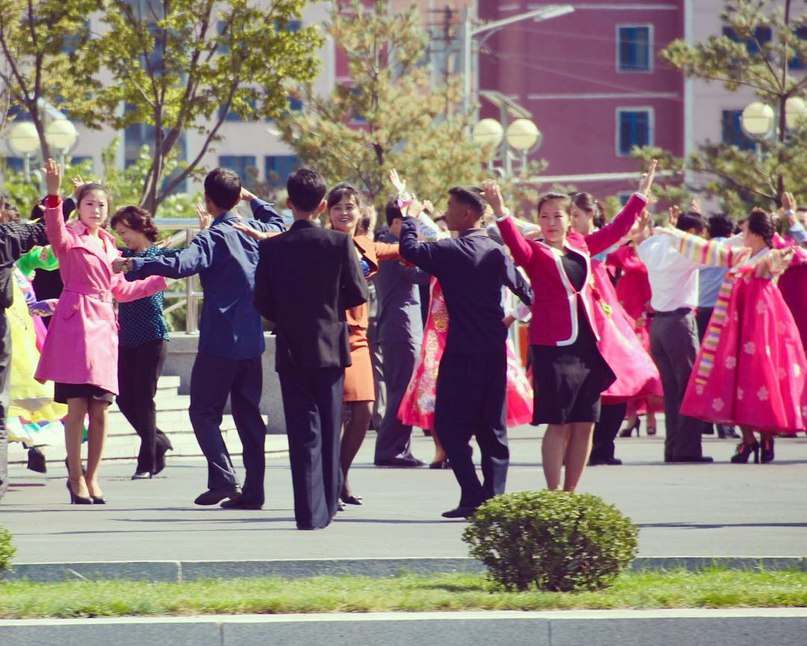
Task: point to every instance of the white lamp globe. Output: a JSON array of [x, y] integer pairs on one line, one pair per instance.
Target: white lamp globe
[[523, 134], [757, 119], [795, 112], [61, 134], [488, 134], [22, 138]]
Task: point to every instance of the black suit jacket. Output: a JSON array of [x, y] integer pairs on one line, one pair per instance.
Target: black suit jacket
[[305, 280]]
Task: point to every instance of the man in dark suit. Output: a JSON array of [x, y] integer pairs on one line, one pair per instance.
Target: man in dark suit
[[472, 379], [306, 278], [399, 328]]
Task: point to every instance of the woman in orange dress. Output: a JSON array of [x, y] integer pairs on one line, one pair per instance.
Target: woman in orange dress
[[359, 390]]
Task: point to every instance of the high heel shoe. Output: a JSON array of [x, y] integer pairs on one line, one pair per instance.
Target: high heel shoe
[[98, 500], [77, 500], [767, 450], [651, 430], [744, 451], [627, 432], [351, 499]]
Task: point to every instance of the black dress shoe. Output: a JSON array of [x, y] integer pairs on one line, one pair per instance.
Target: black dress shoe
[[215, 496], [36, 460], [604, 461], [440, 464], [459, 512], [400, 462], [238, 502], [142, 475]]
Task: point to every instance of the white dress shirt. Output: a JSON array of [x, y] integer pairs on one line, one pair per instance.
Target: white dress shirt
[[673, 277]]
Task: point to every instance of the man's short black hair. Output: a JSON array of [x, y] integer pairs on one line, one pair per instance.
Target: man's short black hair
[[470, 196], [306, 188], [720, 225], [691, 220], [392, 211], [223, 187]]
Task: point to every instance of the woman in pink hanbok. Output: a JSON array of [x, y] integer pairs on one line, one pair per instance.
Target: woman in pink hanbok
[[751, 367]]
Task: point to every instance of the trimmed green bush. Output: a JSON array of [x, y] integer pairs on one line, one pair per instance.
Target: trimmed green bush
[[553, 540], [7, 549]]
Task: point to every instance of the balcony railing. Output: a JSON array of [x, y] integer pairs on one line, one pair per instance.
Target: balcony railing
[[183, 230]]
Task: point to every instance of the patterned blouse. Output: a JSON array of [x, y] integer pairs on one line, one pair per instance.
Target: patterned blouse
[[142, 321]]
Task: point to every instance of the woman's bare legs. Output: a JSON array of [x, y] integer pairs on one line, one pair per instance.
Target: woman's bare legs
[[353, 432], [553, 452], [73, 431], [577, 452], [96, 438]]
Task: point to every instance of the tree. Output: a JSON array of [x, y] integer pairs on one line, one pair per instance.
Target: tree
[[44, 45], [389, 116], [750, 59], [184, 65]]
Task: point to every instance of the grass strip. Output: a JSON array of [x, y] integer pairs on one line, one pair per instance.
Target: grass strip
[[403, 593]]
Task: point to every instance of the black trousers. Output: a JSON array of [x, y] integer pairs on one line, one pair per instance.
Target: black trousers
[[213, 379], [394, 438], [5, 379], [702, 319], [471, 400], [312, 401], [605, 432], [674, 348], [139, 369]]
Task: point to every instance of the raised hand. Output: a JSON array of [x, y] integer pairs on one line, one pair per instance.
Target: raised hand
[[398, 184], [672, 216], [640, 230], [53, 177], [204, 217], [646, 181], [252, 233], [78, 182], [788, 202], [695, 205], [247, 196], [493, 196]]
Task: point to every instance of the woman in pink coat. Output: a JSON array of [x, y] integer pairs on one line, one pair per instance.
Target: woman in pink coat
[[81, 349]]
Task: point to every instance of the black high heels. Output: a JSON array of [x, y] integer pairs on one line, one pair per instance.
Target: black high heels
[[766, 450], [78, 500], [351, 499], [98, 500], [627, 432], [744, 451]]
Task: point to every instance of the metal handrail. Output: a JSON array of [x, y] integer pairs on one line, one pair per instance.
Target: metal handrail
[[190, 296]]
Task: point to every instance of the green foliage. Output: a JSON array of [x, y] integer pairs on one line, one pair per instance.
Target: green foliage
[[24, 194], [553, 540], [389, 117], [7, 549], [183, 65], [45, 57], [742, 179]]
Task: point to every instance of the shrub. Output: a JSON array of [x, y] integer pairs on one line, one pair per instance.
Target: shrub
[[7, 549], [554, 540]]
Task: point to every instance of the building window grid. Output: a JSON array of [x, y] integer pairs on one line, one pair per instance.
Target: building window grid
[[245, 166], [634, 48], [634, 128]]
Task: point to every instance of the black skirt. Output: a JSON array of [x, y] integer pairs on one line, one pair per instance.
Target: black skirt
[[62, 392], [568, 380]]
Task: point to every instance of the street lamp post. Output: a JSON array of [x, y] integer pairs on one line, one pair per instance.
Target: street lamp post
[[521, 136], [61, 135], [22, 140], [469, 32]]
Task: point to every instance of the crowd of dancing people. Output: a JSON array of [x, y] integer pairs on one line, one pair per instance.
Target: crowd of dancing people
[[408, 325]]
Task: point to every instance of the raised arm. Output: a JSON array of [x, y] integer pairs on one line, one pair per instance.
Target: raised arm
[[55, 227], [704, 252], [421, 254], [196, 257], [125, 291], [512, 237], [264, 212], [618, 228]]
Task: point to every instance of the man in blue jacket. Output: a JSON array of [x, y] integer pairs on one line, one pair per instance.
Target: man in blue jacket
[[228, 362]]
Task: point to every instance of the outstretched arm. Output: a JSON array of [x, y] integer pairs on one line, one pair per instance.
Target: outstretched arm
[[515, 241]]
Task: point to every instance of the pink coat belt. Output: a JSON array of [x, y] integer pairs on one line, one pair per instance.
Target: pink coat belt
[[99, 294]]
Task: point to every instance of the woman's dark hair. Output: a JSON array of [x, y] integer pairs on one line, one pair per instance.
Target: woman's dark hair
[[86, 188], [339, 191], [720, 225], [762, 223], [136, 219], [363, 226], [588, 203], [691, 220], [551, 197]]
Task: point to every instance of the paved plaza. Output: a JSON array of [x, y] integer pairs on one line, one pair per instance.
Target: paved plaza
[[683, 510]]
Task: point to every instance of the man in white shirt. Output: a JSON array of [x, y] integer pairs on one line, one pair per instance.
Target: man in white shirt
[[674, 335]]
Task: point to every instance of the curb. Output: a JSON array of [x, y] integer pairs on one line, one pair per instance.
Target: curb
[[179, 571], [558, 628]]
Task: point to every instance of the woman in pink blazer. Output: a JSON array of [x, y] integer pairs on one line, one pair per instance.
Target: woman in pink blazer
[[569, 371], [81, 349]]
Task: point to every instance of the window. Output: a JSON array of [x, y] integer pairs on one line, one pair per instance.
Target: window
[[634, 128], [232, 115], [634, 47], [246, 166], [799, 62], [278, 168], [762, 36], [732, 132]]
